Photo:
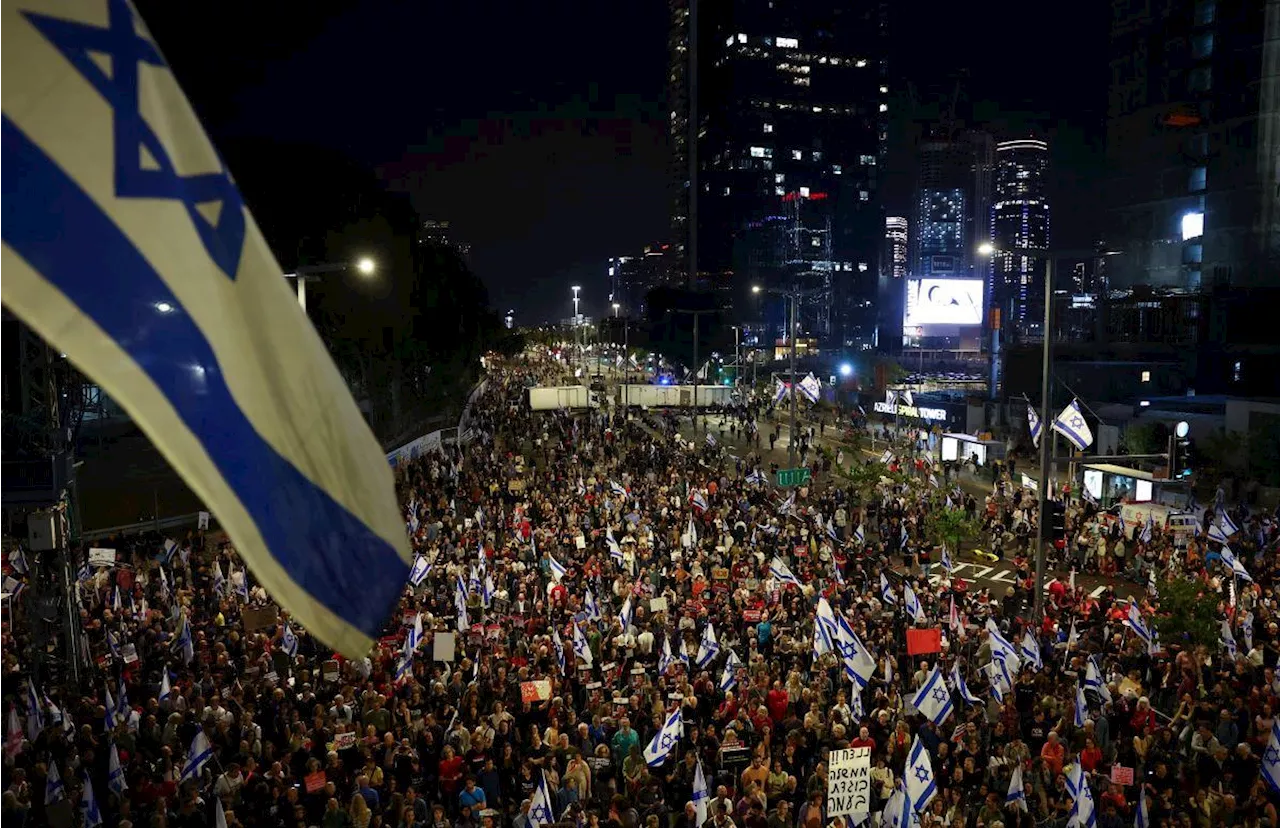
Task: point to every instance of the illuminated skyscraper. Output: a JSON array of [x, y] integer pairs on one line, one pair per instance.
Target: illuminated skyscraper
[[895, 247], [1019, 222]]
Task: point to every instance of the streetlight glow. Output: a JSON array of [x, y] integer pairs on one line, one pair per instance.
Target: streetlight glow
[[366, 265], [756, 288], [986, 249], [846, 369]]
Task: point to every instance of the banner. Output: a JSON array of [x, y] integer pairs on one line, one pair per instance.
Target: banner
[[920, 642], [849, 784]]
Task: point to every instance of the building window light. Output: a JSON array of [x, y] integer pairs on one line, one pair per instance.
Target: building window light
[[779, 191], [862, 267], [797, 155], [742, 38], [1146, 376], [729, 41], [778, 178], [804, 192], [867, 160], [1198, 180], [768, 128], [861, 64], [884, 90], [836, 170], [726, 190], [1192, 225], [863, 195], [786, 43], [757, 152], [884, 107]]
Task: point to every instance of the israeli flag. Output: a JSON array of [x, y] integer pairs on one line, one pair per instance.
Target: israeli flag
[[122, 704], [35, 714], [1034, 424], [1226, 524], [932, 699], [84, 573], [999, 679], [580, 646], [708, 647], [711, 440], [1031, 650], [1142, 819], [886, 591], [54, 788], [887, 457], [1082, 707], [831, 530], [473, 581], [542, 807], [665, 740], [118, 606], [404, 665], [1093, 680], [859, 535], [460, 603], [756, 477], [128, 248], [1136, 624], [699, 502], [589, 602], [557, 569], [1084, 813], [110, 717], [92, 817], [18, 560], [912, 604], [1271, 758], [1070, 424], [197, 757], [1217, 535], [617, 488], [859, 665], [219, 581], [898, 812], [780, 390], [1000, 646], [811, 388], [116, 782], [729, 677], [825, 625], [1228, 640], [1233, 563], [685, 659], [1017, 797], [780, 572], [787, 505], [559, 645], [702, 796], [415, 638], [921, 786], [946, 558], [626, 615], [166, 689], [665, 659], [957, 679], [615, 551], [1147, 530], [487, 591]]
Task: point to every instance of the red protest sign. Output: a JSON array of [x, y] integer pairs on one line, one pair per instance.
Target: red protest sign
[[920, 642], [315, 781]]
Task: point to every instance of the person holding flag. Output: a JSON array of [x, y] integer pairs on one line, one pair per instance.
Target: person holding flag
[[665, 740], [932, 699]]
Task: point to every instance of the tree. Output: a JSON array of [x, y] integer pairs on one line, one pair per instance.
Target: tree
[[1188, 614], [1147, 438], [952, 527]]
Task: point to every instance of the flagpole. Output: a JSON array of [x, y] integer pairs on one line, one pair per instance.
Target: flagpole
[[1046, 366]]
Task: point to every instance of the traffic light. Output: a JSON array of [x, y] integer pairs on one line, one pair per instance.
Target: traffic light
[[1180, 451], [1057, 520]]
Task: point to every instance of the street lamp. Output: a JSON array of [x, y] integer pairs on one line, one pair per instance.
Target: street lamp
[[1046, 366], [365, 266], [794, 295], [577, 323], [616, 307]]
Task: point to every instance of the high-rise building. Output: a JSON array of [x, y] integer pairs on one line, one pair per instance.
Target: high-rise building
[[632, 277], [895, 247], [440, 234], [1192, 145], [776, 180], [893, 284], [1019, 226], [953, 198]]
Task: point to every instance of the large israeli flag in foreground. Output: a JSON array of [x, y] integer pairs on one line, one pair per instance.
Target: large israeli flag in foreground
[[128, 248]]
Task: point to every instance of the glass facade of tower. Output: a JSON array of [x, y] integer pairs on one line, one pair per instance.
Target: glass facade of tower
[[1019, 226]]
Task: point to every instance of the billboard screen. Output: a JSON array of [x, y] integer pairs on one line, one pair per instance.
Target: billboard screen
[[943, 302]]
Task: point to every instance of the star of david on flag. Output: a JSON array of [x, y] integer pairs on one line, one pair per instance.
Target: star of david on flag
[[127, 247], [932, 699], [1070, 424], [918, 773], [665, 740]]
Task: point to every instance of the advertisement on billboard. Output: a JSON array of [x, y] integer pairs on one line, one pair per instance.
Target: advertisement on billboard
[[943, 302]]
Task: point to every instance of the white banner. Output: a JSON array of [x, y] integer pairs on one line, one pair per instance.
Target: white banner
[[849, 784]]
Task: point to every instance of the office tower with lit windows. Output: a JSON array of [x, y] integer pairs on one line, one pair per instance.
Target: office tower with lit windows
[[632, 277], [895, 247], [778, 124], [893, 284], [1192, 144], [952, 201], [1019, 226]]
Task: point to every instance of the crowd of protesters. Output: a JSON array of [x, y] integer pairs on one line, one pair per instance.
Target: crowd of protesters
[[582, 577]]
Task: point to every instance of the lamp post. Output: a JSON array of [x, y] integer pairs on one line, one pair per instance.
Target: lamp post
[[737, 354], [1046, 370], [577, 323], [794, 296], [696, 314], [364, 265]]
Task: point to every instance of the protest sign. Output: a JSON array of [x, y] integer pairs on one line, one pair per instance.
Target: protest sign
[[849, 784]]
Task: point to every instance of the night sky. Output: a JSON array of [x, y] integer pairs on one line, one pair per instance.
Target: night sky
[[539, 130]]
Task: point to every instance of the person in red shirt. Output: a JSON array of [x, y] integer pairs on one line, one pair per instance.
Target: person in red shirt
[[1053, 753], [1144, 718], [864, 740], [777, 701]]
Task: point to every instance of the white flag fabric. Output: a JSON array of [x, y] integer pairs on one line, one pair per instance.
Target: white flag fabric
[[665, 659], [912, 604], [180, 313], [1034, 424], [115, 773], [1084, 813], [1016, 797], [89, 811], [932, 699], [559, 645], [419, 572], [859, 664], [898, 812], [54, 788], [729, 677], [886, 591], [1070, 424], [665, 740], [626, 614], [581, 649], [921, 785], [1271, 758], [197, 757], [701, 795], [1141, 818], [219, 815], [708, 647], [1093, 680], [589, 604], [1082, 707], [288, 643], [542, 808], [1233, 563], [962, 688], [1136, 624], [557, 569], [782, 573], [1031, 650]]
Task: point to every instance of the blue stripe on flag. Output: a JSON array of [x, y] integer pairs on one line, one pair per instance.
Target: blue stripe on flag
[[325, 549]]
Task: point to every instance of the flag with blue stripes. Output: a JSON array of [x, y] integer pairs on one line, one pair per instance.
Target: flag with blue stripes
[[418, 573], [1031, 650], [1017, 797], [1271, 758], [1136, 623], [1034, 424], [35, 713], [782, 573], [702, 795], [198, 756], [933, 699], [665, 658], [591, 607], [1071, 424], [127, 246], [1226, 524], [886, 591], [1082, 707], [115, 773], [54, 788], [729, 677], [1084, 813], [921, 785], [912, 604], [18, 560], [1233, 563], [558, 570], [89, 811], [559, 645], [665, 740], [957, 679], [708, 647]]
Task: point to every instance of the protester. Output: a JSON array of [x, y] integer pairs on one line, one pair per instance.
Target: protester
[[609, 625]]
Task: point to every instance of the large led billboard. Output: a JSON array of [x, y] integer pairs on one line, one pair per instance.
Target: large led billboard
[[943, 302]]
